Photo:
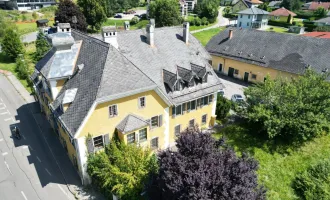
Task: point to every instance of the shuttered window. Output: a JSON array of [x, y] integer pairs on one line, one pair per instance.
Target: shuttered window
[[157, 121], [142, 135], [177, 130], [204, 118], [154, 143], [131, 138]]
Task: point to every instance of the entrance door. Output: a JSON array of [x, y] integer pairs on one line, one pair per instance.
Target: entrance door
[[246, 76], [231, 72]]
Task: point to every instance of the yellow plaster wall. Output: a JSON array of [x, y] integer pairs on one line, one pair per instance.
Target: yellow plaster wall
[[100, 123], [60, 84], [282, 19], [184, 119], [261, 72], [71, 149]]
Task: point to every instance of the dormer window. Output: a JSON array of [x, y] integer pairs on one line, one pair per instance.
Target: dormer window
[[177, 86], [205, 78], [192, 83]]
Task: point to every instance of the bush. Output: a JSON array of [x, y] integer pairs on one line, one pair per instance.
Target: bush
[[134, 20], [322, 29], [198, 21], [34, 15], [192, 22], [304, 14], [314, 182], [24, 18], [22, 68], [223, 107], [279, 23], [204, 21], [11, 44], [310, 26]]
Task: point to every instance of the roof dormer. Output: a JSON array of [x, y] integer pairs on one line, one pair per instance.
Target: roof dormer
[[68, 98]]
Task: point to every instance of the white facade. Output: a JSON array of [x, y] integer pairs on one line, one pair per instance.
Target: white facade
[[252, 21]]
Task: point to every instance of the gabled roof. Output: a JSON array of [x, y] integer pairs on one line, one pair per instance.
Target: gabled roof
[[318, 34], [324, 20], [282, 12], [254, 1], [243, 1], [131, 123], [315, 5], [253, 11], [292, 54]]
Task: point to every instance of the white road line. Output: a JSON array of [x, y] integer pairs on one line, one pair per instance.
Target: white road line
[[24, 195], [62, 189], [48, 172], [31, 148], [8, 168], [1, 139], [8, 111], [1, 100], [3, 113], [24, 137], [38, 159], [4, 153], [4, 106], [8, 119]]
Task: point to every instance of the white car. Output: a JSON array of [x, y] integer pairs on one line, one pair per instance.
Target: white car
[[237, 98]]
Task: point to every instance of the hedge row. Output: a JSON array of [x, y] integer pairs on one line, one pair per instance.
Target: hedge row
[[278, 23], [309, 26]]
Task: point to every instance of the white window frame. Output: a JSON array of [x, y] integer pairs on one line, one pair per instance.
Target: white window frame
[[158, 121], [189, 123], [98, 148], [113, 115], [157, 143], [146, 135], [134, 138], [175, 130], [139, 102]]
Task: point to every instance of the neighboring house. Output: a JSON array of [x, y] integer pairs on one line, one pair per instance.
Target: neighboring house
[[282, 14], [318, 34], [251, 55], [183, 8], [252, 18], [323, 22], [315, 5], [191, 4], [146, 85], [239, 6], [274, 4], [26, 4], [253, 3]]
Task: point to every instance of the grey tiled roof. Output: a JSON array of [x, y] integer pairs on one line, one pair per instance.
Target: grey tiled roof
[[169, 53], [324, 20], [130, 123], [274, 3], [253, 11], [284, 52]]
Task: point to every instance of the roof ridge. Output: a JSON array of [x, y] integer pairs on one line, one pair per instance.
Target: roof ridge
[[88, 37]]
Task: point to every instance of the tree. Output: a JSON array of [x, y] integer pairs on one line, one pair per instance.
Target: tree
[[208, 9], [134, 20], [265, 7], [203, 168], [66, 10], [34, 15], [295, 110], [22, 67], [320, 12], [314, 182], [291, 4], [94, 12], [289, 19], [165, 12], [42, 46], [121, 169], [11, 44], [5, 24], [223, 107]]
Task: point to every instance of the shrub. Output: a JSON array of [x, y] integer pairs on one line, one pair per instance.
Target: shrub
[[134, 20], [24, 18], [192, 22], [34, 15], [198, 21], [279, 23], [223, 107], [22, 67], [204, 21], [314, 183]]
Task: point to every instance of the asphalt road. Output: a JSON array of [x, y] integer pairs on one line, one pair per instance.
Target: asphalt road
[[29, 37], [28, 170]]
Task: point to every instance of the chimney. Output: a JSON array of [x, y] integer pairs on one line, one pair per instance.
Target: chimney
[[230, 35], [186, 32], [62, 41], [126, 25], [109, 35], [150, 32], [64, 28]]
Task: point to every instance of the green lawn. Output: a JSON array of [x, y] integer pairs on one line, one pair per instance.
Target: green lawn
[[205, 36], [278, 29], [277, 170], [24, 28], [120, 23]]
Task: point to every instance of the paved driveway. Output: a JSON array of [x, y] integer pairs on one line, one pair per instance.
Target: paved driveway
[[232, 86]]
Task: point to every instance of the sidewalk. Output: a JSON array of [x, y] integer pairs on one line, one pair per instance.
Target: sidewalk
[[60, 155]]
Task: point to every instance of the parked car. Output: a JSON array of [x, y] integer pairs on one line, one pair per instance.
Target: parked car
[[221, 92], [237, 98], [118, 16]]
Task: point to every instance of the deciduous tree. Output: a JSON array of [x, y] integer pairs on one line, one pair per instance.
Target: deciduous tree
[[297, 109], [203, 168], [65, 12], [223, 107], [165, 12], [320, 12], [94, 12]]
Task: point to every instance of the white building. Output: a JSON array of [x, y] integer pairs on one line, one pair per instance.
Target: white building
[[25, 4], [252, 18]]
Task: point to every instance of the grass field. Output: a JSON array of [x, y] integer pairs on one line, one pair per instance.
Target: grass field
[[120, 23], [277, 170], [278, 29], [24, 28], [205, 36]]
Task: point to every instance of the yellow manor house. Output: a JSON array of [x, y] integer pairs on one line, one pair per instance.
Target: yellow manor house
[[147, 84]]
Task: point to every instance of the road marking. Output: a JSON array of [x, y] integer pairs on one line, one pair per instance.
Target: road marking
[[38, 159], [4, 113], [8, 168], [8, 119], [1, 100], [62, 189], [1, 139], [31, 148], [8, 111], [4, 153], [24, 137], [24, 195], [48, 172], [4, 106]]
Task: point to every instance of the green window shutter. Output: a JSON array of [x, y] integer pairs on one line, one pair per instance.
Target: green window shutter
[[106, 139], [173, 111]]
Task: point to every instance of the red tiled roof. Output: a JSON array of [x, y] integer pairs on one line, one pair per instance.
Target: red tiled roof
[[255, 1], [282, 12], [315, 5], [318, 34]]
